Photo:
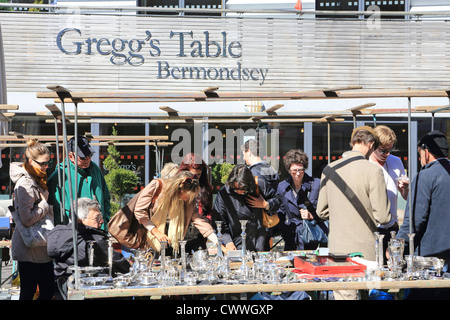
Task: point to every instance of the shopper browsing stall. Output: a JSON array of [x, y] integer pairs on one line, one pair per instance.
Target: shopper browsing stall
[[353, 197], [203, 203], [165, 208], [230, 206], [429, 210], [90, 220], [299, 193], [394, 176]]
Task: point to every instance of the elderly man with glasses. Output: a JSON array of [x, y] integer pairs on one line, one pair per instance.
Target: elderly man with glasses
[[394, 176], [90, 183], [60, 244]]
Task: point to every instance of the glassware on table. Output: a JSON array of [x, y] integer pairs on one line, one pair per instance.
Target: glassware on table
[[91, 252]]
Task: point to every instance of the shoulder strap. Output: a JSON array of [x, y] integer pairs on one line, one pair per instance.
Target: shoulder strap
[[348, 192]]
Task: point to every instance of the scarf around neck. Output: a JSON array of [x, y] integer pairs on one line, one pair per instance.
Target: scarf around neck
[[39, 175]]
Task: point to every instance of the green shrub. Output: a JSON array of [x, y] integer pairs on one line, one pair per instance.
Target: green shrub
[[120, 181]]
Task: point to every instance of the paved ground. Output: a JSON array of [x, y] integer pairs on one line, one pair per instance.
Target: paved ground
[[8, 291]]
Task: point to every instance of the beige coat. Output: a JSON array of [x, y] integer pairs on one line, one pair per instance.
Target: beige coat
[[31, 208], [352, 187], [143, 214]]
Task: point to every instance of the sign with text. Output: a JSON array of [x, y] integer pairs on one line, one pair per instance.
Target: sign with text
[[172, 53]]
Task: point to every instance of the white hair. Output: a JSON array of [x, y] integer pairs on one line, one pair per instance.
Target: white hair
[[85, 205]]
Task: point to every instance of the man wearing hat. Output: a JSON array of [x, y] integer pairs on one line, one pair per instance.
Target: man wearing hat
[[430, 202], [353, 198], [90, 182]]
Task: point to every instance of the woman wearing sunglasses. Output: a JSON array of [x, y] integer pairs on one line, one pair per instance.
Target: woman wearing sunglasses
[[30, 201], [231, 205], [166, 207]]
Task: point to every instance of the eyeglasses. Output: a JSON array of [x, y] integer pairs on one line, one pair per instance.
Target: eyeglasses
[[84, 158], [97, 218], [297, 170], [42, 164], [386, 151]]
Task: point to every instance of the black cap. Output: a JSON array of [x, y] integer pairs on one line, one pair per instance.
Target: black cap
[[84, 148], [436, 142]]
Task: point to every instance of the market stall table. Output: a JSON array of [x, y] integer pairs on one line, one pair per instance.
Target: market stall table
[[244, 288], [301, 279]]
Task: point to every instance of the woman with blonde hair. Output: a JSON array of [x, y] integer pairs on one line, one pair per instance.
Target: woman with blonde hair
[[166, 207], [169, 170], [30, 202], [203, 204]]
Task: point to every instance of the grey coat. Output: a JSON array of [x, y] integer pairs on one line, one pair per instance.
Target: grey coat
[[31, 207], [353, 197]]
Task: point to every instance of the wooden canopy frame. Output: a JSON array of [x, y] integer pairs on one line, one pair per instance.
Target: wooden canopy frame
[[63, 95]]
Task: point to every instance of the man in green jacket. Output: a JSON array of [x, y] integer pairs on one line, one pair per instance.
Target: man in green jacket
[[90, 183]]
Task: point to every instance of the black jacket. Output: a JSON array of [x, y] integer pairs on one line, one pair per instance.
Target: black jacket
[[268, 180], [230, 207], [60, 248]]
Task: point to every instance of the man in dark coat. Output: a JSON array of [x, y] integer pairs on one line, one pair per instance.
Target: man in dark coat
[[268, 178], [430, 203], [60, 242]]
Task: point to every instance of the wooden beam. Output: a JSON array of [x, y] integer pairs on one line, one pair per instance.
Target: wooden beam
[[433, 108], [332, 92], [211, 89], [272, 110], [56, 112], [160, 144], [23, 137], [192, 115], [338, 93], [209, 120], [18, 135], [170, 111], [329, 118], [64, 94], [357, 110], [9, 107], [386, 111]]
